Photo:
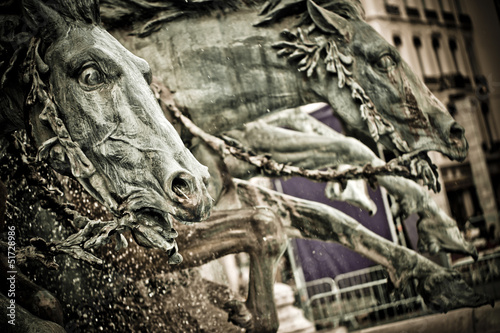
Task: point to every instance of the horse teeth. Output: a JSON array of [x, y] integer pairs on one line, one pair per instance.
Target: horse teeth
[[159, 221], [175, 258]]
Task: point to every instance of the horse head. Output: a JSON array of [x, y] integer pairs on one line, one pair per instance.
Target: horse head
[[95, 118], [395, 107]]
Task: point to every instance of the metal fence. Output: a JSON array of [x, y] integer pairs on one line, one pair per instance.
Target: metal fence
[[360, 299], [365, 298], [482, 275]]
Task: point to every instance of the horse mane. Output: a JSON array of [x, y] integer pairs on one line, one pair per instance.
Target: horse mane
[[14, 22], [153, 14], [77, 10], [349, 9], [122, 13], [18, 29]]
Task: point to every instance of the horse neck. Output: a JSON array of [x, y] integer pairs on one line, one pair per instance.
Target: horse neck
[[224, 71]]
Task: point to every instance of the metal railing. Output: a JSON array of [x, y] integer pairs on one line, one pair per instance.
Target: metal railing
[[359, 299], [364, 298], [482, 275]]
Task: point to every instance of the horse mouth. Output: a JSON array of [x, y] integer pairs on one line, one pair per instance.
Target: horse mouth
[[419, 134], [456, 152], [154, 229]]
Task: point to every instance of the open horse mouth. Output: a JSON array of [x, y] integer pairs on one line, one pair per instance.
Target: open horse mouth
[[150, 217], [414, 135], [154, 229]]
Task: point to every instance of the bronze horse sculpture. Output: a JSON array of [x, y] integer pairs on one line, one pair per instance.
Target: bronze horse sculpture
[[225, 74], [90, 114], [105, 129], [86, 103], [232, 79]]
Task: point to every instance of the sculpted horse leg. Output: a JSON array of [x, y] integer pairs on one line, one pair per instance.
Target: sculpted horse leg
[[311, 144], [256, 231], [262, 232], [234, 229], [442, 289]]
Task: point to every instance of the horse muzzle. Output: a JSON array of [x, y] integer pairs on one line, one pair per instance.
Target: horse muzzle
[[190, 198]]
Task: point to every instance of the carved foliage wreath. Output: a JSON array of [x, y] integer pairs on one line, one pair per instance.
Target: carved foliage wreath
[[307, 53]]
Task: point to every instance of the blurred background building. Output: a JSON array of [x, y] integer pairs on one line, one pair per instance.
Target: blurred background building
[[454, 45]]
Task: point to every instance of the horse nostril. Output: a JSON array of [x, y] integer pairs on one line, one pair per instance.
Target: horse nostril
[[457, 133], [181, 187]]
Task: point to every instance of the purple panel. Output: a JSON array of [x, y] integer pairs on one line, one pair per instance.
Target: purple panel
[[411, 231], [321, 259], [325, 115]]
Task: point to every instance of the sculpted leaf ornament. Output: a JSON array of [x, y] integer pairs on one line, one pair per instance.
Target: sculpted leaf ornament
[[95, 233], [307, 53]]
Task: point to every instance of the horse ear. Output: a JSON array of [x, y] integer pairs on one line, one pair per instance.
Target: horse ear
[[41, 17], [328, 21]]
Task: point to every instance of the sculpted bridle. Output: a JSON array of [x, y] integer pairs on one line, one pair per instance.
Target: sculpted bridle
[[95, 233], [81, 167], [307, 54]]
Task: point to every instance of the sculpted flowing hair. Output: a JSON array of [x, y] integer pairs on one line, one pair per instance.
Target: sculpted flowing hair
[[20, 21], [152, 14]]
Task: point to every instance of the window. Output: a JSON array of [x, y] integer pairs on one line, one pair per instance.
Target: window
[[392, 7], [453, 48], [435, 47], [397, 41], [459, 58], [463, 18], [469, 46], [430, 10], [426, 63], [446, 11], [411, 7], [485, 109], [418, 47]]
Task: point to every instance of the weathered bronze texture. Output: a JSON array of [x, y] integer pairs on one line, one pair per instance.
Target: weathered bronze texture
[[227, 70], [232, 67]]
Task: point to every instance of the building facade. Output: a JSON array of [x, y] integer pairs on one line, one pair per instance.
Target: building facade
[[454, 46]]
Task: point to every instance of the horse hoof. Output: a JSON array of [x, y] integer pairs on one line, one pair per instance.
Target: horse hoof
[[239, 314]]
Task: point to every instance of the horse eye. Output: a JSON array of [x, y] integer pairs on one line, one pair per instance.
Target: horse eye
[[386, 63], [91, 77]]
